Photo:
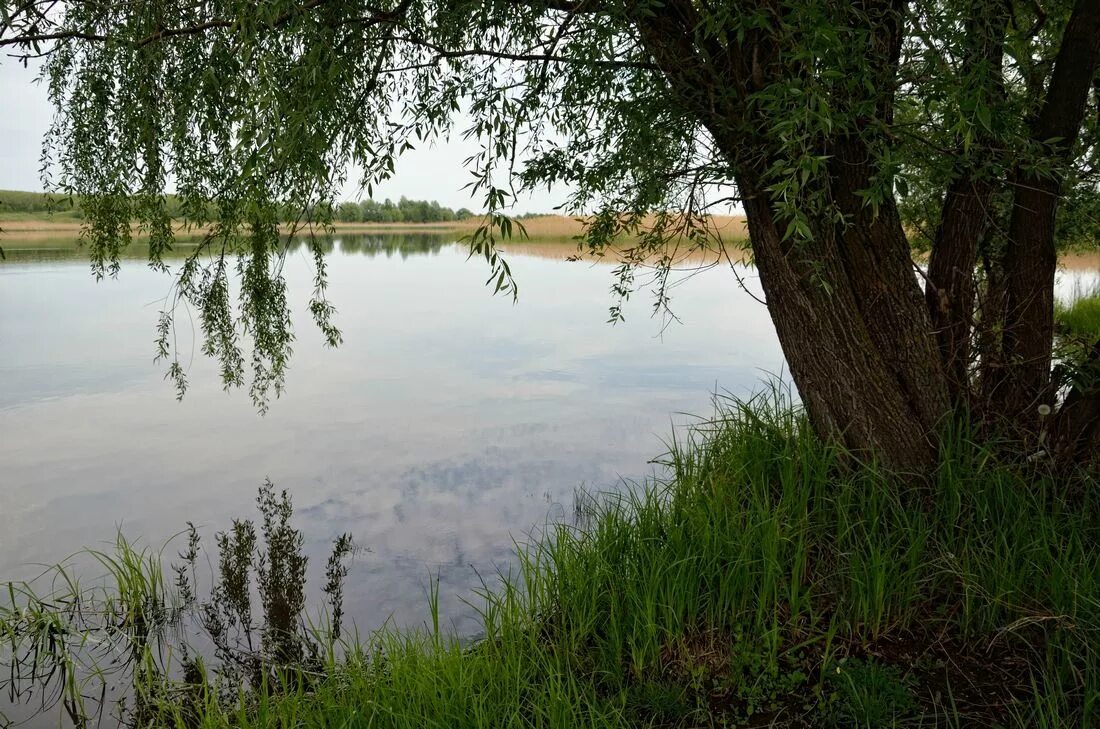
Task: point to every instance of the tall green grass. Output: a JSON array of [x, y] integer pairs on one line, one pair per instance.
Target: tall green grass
[[1077, 344], [768, 581], [1080, 318], [64, 641]]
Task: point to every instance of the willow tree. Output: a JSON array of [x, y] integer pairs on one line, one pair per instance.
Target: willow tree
[[817, 116]]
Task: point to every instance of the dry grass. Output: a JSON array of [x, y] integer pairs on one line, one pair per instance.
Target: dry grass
[[1080, 261], [559, 226], [563, 249], [544, 227]]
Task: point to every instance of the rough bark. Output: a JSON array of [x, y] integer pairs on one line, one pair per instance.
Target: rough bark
[[879, 270], [858, 389], [878, 362], [846, 305], [987, 335], [950, 291], [950, 286], [1030, 259]]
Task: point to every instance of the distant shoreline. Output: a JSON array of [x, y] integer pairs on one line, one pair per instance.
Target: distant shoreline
[[25, 224], [544, 227], [540, 230]]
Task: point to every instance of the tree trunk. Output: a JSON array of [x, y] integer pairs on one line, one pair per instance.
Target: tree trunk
[[965, 215], [851, 321], [847, 307], [1030, 259], [877, 367], [949, 291]]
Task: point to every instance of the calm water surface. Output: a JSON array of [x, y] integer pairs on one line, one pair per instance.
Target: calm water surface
[[449, 423]]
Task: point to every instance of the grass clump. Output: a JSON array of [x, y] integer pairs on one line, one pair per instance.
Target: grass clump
[[1077, 345], [1081, 317], [867, 693], [768, 581]]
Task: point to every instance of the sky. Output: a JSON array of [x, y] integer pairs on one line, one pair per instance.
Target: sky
[[428, 173]]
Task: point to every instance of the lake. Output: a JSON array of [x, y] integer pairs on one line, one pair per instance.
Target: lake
[[448, 426]]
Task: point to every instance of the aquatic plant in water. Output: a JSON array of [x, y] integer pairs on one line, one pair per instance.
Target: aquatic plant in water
[[67, 644]]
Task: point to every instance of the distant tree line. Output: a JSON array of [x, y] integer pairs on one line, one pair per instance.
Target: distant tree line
[[366, 211], [16, 201], [404, 211]]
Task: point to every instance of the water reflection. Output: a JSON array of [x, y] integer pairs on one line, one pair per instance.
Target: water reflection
[[449, 424], [45, 249]]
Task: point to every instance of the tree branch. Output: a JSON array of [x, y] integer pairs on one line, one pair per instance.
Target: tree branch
[[443, 53], [378, 16]]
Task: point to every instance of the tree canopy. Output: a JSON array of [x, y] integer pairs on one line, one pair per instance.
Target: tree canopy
[[839, 127]]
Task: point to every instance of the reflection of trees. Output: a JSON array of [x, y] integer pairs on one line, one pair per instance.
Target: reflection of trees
[[403, 244], [388, 244], [50, 251]]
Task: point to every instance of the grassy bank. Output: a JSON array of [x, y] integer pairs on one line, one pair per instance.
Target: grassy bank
[[765, 583], [1077, 329], [1080, 317]]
